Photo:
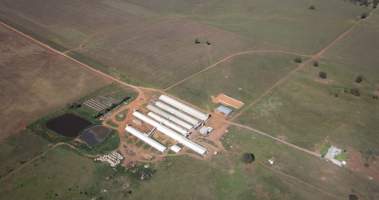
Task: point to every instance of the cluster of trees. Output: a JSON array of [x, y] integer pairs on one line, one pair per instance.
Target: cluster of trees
[[197, 41], [366, 3], [248, 158]]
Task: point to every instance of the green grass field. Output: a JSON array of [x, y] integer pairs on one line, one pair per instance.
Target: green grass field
[[63, 174], [244, 77], [19, 149], [152, 42]]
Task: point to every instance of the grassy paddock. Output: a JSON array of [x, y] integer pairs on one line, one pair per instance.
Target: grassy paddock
[[244, 78]]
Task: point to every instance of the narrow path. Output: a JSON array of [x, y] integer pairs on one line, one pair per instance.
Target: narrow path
[[104, 75], [276, 139], [281, 173], [41, 155], [229, 58], [314, 57]]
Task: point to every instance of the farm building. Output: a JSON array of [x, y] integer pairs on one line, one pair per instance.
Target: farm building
[[169, 117], [196, 123], [184, 108], [144, 137], [171, 133], [226, 111]]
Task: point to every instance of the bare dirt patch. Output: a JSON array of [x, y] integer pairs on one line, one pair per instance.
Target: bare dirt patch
[[357, 163], [228, 101]]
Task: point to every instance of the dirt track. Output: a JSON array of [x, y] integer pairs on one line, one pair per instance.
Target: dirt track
[[140, 90]]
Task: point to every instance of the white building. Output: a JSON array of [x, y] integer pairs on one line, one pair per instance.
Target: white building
[[183, 107], [170, 117], [178, 113], [156, 145], [171, 133], [168, 123]]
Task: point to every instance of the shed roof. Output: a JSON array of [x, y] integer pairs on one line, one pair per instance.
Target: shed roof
[[225, 110]]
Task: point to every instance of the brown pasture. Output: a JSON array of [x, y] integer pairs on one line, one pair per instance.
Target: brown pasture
[[35, 82]]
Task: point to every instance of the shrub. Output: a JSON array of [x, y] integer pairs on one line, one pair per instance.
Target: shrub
[[323, 75], [375, 97], [364, 15], [359, 79], [197, 41], [315, 64], [298, 60], [248, 158], [208, 43], [355, 92], [312, 7], [353, 197]]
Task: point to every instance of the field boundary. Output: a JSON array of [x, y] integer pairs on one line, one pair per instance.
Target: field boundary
[[230, 57], [314, 57], [35, 158]]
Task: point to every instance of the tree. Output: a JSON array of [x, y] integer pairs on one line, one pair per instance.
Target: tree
[[312, 7], [364, 15], [298, 60], [355, 92], [376, 97], [248, 158], [323, 75], [315, 64], [353, 197], [375, 3], [197, 41], [359, 79], [208, 43]]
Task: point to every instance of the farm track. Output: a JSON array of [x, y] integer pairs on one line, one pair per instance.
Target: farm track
[[140, 90], [281, 173], [231, 57], [312, 153], [313, 58], [42, 155]]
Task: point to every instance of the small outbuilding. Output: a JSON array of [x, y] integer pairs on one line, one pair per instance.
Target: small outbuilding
[[226, 111], [175, 148]]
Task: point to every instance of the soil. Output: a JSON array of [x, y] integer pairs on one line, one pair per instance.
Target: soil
[[227, 101]]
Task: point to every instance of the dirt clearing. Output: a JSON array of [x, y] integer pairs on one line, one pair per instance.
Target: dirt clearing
[[227, 100]]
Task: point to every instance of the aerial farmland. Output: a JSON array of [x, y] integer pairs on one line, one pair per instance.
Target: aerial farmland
[[189, 99]]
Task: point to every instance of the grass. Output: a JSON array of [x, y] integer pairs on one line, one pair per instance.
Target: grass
[[18, 149], [244, 78], [110, 144], [324, 149], [113, 90], [62, 174], [342, 156], [306, 111]]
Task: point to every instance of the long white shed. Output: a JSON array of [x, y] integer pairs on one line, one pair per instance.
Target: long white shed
[[170, 117], [142, 136], [171, 133], [168, 123], [177, 113], [183, 107]]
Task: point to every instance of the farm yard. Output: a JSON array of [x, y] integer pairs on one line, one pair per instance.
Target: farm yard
[[260, 92]]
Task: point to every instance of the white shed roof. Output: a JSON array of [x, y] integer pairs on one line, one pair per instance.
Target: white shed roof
[[156, 145], [172, 134], [183, 107]]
